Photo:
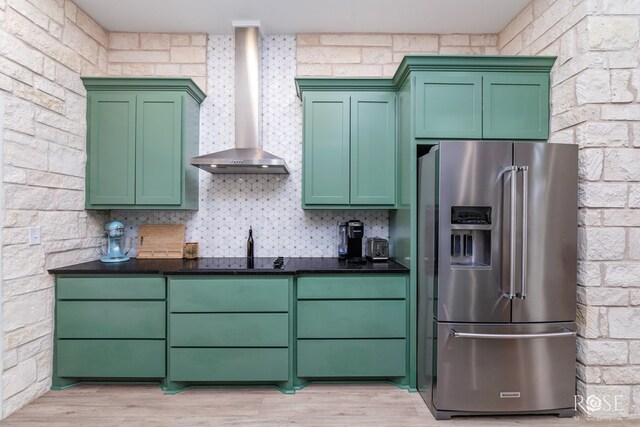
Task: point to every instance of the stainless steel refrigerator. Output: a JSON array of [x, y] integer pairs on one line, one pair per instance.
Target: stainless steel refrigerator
[[497, 224]]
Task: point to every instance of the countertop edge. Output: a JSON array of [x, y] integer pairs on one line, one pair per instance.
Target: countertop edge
[[295, 267]]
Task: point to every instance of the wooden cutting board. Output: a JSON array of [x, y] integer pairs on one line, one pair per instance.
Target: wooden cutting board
[[160, 241]]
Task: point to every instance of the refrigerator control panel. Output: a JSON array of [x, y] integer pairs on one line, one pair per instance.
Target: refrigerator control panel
[[471, 215]]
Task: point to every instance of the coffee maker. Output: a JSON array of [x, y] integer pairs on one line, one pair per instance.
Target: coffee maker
[[355, 233]]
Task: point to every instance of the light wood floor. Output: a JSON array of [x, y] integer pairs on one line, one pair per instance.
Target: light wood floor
[[316, 405]]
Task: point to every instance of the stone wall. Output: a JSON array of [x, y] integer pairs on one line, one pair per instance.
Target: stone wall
[[156, 55], [45, 45], [595, 95], [378, 55]]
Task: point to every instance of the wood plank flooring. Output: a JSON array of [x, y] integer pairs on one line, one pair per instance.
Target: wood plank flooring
[[316, 405]]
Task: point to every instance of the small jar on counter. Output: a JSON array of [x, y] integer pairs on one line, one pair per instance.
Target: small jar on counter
[[191, 250]]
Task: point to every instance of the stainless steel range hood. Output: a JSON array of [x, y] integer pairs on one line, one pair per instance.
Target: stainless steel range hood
[[248, 155]]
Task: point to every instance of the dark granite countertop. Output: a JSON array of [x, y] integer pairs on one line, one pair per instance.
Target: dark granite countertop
[[293, 266]]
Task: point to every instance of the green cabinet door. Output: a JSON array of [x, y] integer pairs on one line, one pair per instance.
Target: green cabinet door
[[228, 294], [111, 148], [228, 364], [229, 329], [159, 149], [110, 287], [111, 319], [516, 105], [448, 105], [351, 358], [142, 133], [326, 148], [352, 286], [373, 148], [124, 358], [352, 319]]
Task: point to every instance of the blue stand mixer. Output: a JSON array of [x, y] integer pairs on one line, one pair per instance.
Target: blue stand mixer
[[117, 246]]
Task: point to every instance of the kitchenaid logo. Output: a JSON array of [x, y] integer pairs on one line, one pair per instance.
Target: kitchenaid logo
[[509, 395], [592, 405]]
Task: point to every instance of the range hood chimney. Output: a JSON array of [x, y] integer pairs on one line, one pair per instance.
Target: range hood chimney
[[248, 155]]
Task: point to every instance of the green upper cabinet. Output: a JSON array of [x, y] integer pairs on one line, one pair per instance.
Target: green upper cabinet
[[353, 133], [112, 149], [142, 133], [326, 148], [448, 105], [482, 105], [373, 148], [349, 146], [159, 149], [515, 106], [478, 97]]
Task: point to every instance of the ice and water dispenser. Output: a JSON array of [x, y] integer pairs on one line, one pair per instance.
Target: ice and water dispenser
[[471, 236]]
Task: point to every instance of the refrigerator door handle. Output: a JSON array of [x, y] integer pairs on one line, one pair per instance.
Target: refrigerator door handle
[[525, 224], [512, 233], [474, 335]]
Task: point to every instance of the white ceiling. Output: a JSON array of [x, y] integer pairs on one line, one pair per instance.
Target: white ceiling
[[300, 16]]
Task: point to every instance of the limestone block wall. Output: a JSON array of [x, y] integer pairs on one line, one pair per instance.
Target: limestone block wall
[[45, 45], [378, 55], [159, 55], [595, 104]]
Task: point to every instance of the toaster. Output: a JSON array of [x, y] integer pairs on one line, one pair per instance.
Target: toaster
[[377, 249]]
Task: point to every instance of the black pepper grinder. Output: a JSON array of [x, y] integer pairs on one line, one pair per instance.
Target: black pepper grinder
[[250, 249]]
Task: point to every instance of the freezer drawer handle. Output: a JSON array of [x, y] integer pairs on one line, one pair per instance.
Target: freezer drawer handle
[[566, 333]]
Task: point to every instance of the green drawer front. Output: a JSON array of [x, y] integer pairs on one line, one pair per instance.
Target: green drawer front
[[111, 358], [352, 319], [351, 358], [243, 294], [110, 319], [378, 286], [229, 330], [111, 287], [229, 364]]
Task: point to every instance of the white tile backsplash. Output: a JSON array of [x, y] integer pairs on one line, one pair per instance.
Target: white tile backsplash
[[229, 204]]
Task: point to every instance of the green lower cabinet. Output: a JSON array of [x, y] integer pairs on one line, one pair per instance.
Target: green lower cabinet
[[116, 359], [352, 319], [229, 364], [209, 294], [229, 330], [110, 319], [352, 358], [352, 286], [352, 326], [110, 327], [111, 287]]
